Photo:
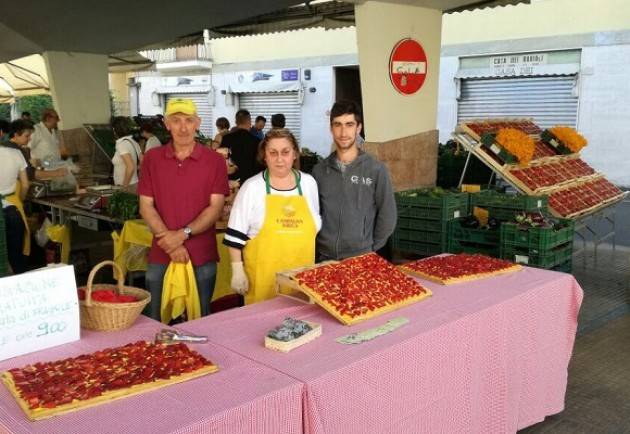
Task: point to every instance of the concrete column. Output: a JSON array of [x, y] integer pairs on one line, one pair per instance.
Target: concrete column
[[401, 129], [79, 87]]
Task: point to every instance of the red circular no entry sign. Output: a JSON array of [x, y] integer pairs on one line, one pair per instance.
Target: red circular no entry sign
[[408, 66]]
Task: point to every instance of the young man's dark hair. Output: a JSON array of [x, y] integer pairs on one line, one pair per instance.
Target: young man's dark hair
[[345, 107], [261, 118], [26, 115], [18, 126], [278, 120], [242, 116]]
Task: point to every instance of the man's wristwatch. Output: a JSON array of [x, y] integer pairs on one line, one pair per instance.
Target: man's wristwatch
[[187, 232]]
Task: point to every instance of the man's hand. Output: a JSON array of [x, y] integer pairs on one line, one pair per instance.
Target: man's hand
[[180, 254], [239, 282], [170, 240]]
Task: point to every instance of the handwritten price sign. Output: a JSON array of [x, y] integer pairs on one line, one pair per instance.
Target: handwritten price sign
[[38, 310]]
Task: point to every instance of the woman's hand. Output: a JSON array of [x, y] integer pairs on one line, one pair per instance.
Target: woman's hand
[[239, 283]]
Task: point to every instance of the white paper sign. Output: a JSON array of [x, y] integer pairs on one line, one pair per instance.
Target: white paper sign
[[38, 310]]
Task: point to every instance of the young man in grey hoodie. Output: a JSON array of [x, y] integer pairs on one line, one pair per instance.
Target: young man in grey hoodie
[[355, 191]]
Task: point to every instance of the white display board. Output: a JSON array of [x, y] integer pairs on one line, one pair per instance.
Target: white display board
[[38, 310]]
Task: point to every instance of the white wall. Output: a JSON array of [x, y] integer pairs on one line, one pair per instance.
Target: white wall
[[379, 28], [604, 112], [315, 133], [447, 98]]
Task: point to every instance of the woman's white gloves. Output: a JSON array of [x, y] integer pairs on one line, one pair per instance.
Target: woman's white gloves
[[239, 283]]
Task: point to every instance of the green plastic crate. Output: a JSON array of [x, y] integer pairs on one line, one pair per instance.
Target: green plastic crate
[[420, 236], [421, 224], [423, 249], [546, 259], [488, 237], [443, 207], [539, 239], [456, 246], [504, 206]]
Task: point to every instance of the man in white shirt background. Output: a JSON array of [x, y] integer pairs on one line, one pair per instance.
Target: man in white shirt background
[[45, 143]]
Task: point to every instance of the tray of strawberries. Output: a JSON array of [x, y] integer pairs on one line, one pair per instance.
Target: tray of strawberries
[[358, 288], [463, 267]]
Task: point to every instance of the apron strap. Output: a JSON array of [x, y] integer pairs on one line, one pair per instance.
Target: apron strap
[[268, 184]]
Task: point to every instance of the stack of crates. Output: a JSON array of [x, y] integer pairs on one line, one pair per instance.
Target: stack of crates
[[504, 206], [547, 248], [500, 206], [423, 217], [472, 240], [4, 258]]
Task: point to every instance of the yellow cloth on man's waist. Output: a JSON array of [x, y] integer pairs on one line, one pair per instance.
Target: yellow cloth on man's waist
[[15, 200], [179, 293]]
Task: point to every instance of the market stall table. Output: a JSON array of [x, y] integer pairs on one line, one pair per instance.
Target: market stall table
[[243, 397], [483, 356]]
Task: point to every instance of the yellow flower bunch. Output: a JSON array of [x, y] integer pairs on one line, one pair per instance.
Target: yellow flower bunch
[[517, 143], [569, 138]]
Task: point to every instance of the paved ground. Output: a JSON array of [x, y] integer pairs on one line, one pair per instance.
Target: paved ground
[[598, 394]]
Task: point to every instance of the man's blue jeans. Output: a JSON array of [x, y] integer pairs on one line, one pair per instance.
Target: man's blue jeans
[[205, 275]]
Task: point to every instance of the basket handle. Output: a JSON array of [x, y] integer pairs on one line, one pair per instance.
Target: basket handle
[[119, 284]]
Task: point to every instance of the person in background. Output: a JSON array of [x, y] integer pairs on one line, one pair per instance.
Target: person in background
[[13, 173], [128, 155], [243, 148], [146, 131], [19, 135], [182, 188], [274, 220], [223, 127], [356, 194], [45, 143], [257, 129], [4, 130], [278, 121], [26, 116]]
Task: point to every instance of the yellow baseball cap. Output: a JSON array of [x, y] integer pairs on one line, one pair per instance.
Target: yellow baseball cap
[[180, 105]]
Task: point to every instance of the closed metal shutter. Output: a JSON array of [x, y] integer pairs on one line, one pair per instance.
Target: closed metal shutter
[[548, 100], [204, 110], [267, 104]]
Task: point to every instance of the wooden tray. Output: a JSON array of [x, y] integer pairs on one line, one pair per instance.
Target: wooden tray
[[287, 278], [455, 280], [112, 395]]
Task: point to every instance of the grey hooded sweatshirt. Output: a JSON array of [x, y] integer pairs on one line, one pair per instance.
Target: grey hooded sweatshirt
[[357, 206]]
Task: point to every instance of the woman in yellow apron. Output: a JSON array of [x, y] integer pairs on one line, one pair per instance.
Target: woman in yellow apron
[[274, 220]]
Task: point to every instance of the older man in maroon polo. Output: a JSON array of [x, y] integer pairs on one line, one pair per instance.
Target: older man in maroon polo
[[182, 188]]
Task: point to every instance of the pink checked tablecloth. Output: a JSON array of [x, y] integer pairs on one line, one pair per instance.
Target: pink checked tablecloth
[[489, 356], [243, 397]]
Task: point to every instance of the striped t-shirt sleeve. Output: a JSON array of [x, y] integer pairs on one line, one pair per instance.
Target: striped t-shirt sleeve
[[240, 217]]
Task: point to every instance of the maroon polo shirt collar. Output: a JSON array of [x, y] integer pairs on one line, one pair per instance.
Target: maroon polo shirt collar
[[195, 154]]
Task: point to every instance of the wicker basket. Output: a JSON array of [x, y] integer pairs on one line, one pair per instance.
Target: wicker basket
[[96, 315]]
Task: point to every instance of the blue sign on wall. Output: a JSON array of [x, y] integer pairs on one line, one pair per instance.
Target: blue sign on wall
[[290, 75]]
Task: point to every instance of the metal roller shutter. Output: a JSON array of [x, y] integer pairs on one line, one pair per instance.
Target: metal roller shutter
[[204, 109], [549, 100], [267, 104]]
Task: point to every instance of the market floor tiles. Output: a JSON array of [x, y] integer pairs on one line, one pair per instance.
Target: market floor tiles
[[598, 394]]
